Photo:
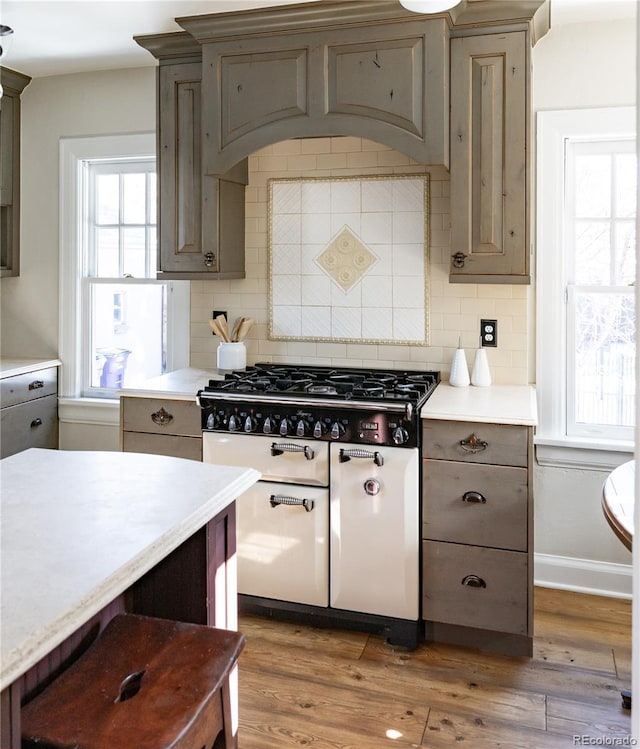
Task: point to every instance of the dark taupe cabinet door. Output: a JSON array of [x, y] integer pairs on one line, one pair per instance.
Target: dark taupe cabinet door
[[489, 170], [13, 84], [201, 220]]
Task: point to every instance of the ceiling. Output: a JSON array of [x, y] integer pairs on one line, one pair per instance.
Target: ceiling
[[55, 37]]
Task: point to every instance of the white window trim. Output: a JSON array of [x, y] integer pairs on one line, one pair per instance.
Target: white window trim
[[552, 446], [73, 151]]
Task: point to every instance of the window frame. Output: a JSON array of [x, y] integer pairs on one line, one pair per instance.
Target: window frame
[[74, 152], [554, 128]]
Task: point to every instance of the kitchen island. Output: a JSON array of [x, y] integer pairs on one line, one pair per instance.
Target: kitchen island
[[86, 534]]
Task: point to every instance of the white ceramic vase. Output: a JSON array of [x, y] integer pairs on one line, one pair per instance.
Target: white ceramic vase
[[231, 355], [459, 376], [481, 375]]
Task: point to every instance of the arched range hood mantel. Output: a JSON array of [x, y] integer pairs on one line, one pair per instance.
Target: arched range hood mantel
[[365, 68]]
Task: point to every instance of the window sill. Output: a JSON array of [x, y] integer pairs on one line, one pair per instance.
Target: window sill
[[582, 454], [96, 411]]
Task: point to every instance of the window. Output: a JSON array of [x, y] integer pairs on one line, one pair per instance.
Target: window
[[120, 325], [586, 246]]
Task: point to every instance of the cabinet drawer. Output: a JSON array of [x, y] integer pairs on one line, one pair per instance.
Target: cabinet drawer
[[27, 387], [161, 416], [163, 444], [500, 444], [31, 424], [475, 504], [499, 601]]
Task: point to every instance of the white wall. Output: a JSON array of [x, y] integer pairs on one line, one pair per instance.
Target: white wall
[[577, 67], [587, 66]]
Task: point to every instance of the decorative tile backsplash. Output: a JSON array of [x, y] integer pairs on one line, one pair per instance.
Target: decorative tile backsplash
[[455, 310], [348, 259]]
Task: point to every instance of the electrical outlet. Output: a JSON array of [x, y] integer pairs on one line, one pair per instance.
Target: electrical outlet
[[489, 332], [217, 312]]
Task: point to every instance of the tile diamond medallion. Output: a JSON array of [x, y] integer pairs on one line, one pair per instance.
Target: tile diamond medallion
[[346, 259]]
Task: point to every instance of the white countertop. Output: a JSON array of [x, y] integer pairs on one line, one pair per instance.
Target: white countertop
[[12, 367], [78, 528], [496, 404], [183, 384]]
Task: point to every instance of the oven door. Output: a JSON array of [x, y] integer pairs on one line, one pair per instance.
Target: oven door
[[277, 458], [374, 541], [282, 542]]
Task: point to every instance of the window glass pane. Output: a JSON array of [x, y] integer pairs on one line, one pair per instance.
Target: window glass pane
[[605, 359], [625, 185], [152, 199], [625, 253], [107, 253], [107, 198], [134, 198], [128, 333], [593, 185], [134, 252], [592, 255]]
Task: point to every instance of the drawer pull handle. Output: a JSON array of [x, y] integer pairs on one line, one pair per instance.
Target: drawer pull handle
[[346, 455], [473, 496], [36, 385], [473, 581], [36, 423], [161, 417], [279, 499], [473, 444], [277, 448]]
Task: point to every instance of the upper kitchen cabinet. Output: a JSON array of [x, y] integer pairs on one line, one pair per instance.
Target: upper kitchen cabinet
[[367, 69], [491, 150], [201, 219], [13, 84]]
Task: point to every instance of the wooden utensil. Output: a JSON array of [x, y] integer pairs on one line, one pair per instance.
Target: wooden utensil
[[224, 330], [244, 328], [236, 328]]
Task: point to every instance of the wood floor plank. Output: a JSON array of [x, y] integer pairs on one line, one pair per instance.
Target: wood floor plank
[[303, 686]]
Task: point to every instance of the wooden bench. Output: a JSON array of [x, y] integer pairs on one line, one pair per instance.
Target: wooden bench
[[145, 683]]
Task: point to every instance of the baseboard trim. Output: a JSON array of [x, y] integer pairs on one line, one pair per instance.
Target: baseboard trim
[[583, 576]]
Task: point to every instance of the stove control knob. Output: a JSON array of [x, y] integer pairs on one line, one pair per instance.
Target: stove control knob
[[234, 423], [318, 429], [250, 424], [266, 426], [400, 436], [284, 427], [337, 430], [301, 428]]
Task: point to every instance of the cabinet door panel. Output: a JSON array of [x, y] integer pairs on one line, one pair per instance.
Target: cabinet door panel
[[30, 424], [162, 444], [475, 504], [154, 415], [489, 190], [498, 444], [475, 587]]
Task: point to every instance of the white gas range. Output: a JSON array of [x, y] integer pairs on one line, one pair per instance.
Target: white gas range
[[331, 533]]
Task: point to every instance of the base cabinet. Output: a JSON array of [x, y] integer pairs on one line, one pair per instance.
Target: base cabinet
[[477, 550], [29, 413], [161, 426]]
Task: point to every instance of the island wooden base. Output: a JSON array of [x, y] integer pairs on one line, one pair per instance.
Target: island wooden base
[[196, 583]]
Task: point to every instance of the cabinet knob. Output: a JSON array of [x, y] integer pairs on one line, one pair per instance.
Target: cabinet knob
[[209, 259], [458, 259], [36, 423], [161, 417], [36, 385], [473, 581]]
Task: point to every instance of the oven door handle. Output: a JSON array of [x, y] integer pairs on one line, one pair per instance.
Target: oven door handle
[[281, 499], [277, 448], [347, 454]]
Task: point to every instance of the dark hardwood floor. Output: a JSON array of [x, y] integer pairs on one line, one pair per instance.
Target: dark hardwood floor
[[330, 689]]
